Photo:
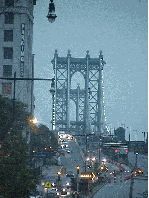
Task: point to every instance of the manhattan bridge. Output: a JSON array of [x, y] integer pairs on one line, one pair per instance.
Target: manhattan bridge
[[90, 116]]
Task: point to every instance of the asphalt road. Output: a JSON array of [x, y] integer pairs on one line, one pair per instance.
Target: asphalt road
[[122, 189]]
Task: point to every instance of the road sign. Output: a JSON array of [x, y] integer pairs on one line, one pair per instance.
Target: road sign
[[47, 185]]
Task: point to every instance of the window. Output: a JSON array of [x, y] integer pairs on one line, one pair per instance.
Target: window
[[6, 88], [8, 52], [7, 70], [8, 35], [9, 17], [9, 2], [34, 2]]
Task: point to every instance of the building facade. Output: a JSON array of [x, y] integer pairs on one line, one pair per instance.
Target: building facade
[[16, 38], [119, 134]]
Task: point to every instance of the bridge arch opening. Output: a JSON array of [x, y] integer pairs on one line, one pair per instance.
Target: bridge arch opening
[[77, 79]]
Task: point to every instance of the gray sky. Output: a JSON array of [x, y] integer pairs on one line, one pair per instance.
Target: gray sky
[[119, 29]]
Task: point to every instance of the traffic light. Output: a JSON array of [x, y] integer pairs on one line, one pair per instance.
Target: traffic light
[[116, 150], [78, 168]]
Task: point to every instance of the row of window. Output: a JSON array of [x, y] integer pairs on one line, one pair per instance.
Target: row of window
[[8, 51]]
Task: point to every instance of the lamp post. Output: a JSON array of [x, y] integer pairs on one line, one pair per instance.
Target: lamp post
[[144, 135], [129, 138], [136, 159], [78, 168], [100, 149], [14, 90], [59, 177], [51, 13]]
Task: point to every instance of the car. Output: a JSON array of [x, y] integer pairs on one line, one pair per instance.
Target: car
[[138, 171], [69, 174], [64, 192], [64, 145], [67, 150], [55, 190]]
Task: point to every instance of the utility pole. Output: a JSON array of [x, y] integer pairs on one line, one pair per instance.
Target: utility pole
[[131, 187], [14, 90]]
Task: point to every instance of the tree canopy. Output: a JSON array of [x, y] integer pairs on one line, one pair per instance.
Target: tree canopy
[[17, 179], [6, 116], [42, 138]]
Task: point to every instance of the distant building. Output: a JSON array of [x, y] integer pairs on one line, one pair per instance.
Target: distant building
[[119, 134], [16, 38]]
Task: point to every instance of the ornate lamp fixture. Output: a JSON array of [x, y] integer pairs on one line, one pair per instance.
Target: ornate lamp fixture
[[51, 14]]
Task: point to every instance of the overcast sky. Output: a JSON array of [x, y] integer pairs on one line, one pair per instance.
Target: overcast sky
[[119, 29]]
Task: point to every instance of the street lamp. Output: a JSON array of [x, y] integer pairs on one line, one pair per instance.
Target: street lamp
[[136, 159], [144, 135], [100, 149], [51, 14], [78, 168], [59, 175]]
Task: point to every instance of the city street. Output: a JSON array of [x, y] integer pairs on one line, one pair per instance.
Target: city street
[[122, 189], [117, 187], [114, 190]]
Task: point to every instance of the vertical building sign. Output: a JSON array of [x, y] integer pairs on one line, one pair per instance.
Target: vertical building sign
[[22, 50]]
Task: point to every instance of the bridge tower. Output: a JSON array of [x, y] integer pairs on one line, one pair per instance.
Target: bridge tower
[[88, 101]]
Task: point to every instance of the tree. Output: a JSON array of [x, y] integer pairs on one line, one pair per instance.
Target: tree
[[16, 176], [42, 138], [22, 117], [17, 179]]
